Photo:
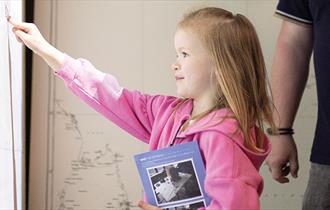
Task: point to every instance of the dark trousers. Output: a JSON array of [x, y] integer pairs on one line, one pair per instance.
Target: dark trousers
[[317, 194]]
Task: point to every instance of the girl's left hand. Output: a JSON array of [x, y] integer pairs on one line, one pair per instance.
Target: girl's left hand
[[145, 206]]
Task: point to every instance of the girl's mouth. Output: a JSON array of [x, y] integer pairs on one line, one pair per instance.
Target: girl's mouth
[[178, 78]]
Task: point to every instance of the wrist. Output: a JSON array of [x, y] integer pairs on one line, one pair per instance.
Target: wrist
[[53, 57], [46, 50]]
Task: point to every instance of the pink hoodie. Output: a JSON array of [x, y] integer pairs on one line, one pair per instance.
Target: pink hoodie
[[232, 178]]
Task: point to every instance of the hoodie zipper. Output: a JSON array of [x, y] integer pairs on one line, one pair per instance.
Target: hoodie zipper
[[178, 129]]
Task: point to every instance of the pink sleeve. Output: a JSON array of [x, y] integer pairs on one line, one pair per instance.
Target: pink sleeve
[[231, 179], [132, 111]]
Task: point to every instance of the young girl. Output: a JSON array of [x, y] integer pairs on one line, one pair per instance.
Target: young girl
[[220, 78]]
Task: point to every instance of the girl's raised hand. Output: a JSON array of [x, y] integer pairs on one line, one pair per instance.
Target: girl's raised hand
[[29, 34], [145, 206]]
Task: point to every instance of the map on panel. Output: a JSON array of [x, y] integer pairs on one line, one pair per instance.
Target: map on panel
[[87, 168]]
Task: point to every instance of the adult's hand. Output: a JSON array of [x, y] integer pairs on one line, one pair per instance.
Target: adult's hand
[[283, 158]]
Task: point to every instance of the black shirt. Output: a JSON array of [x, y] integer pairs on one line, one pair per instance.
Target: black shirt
[[316, 13]]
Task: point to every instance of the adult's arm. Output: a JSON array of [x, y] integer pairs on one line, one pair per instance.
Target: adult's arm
[[288, 79]]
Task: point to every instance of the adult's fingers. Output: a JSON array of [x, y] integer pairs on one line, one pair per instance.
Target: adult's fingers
[[294, 167], [279, 175], [285, 170]]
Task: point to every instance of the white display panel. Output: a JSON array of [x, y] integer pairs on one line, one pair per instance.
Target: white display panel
[[11, 110]]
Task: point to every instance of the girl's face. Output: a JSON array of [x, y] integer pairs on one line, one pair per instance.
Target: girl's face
[[193, 67]]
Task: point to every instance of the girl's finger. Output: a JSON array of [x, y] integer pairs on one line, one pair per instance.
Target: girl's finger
[[21, 35], [145, 206], [18, 39], [20, 25], [14, 29]]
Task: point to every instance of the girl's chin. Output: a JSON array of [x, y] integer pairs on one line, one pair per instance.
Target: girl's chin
[[182, 95]]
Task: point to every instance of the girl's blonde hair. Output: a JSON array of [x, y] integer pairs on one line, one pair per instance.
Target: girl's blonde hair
[[240, 69]]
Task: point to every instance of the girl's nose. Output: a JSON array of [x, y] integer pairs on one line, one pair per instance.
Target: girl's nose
[[175, 66]]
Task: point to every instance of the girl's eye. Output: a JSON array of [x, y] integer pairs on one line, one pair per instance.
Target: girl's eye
[[184, 54]]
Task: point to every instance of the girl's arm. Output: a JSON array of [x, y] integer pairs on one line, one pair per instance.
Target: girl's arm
[[288, 80], [130, 110]]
